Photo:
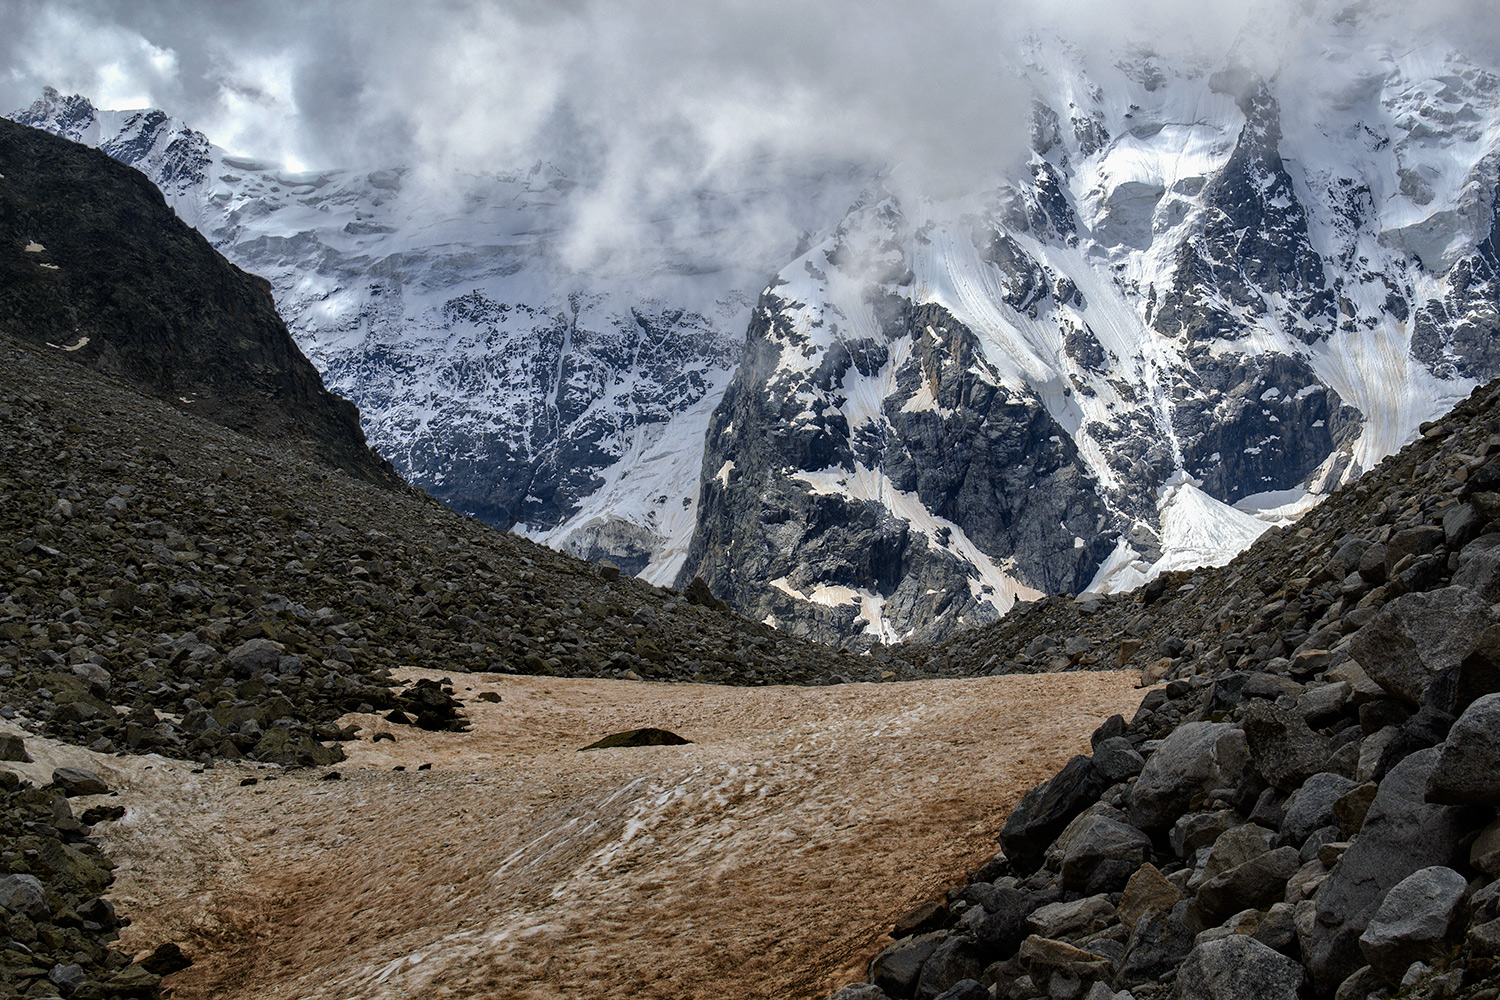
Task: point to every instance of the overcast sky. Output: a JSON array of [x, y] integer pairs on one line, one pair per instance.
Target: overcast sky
[[657, 95]]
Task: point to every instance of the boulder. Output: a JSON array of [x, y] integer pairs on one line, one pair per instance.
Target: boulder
[[1147, 890], [255, 655], [1415, 637], [1199, 829], [1254, 885], [1195, 758], [13, 747], [1322, 704], [1235, 847], [1043, 812], [1041, 957], [1238, 968], [965, 989], [77, 781], [1402, 833], [647, 737], [1311, 806], [1158, 942], [1282, 747], [1484, 854], [1102, 855], [1004, 927], [1416, 922], [1468, 765], [1074, 919], [860, 991], [951, 962], [897, 969], [24, 894], [1351, 808], [1117, 760]]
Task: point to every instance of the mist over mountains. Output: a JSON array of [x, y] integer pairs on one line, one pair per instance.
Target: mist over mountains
[[1098, 310]]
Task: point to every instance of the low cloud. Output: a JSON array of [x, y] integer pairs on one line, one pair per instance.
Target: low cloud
[[645, 102]]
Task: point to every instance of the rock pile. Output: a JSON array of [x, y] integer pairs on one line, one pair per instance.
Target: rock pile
[[172, 586], [55, 924], [1308, 806]]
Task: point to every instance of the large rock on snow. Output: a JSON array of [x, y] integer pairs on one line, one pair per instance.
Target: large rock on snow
[[1417, 636], [1416, 921], [1197, 757], [1402, 833]]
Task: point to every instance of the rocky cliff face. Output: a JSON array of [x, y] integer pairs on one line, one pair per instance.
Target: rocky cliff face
[[1203, 305], [96, 267]]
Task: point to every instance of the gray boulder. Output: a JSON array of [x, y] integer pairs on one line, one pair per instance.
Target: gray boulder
[[1417, 636], [24, 894], [1234, 847], [860, 991], [1282, 747], [897, 969], [1158, 942], [1199, 829], [1075, 919], [1238, 968], [951, 962], [1196, 758], [1044, 811], [1254, 885], [255, 655], [77, 781], [1402, 833], [1102, 855], [1311, 806], [1468, 766], [1416, 922], [1117, 760], [965, 989]]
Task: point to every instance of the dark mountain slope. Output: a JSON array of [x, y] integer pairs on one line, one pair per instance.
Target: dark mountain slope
[[94, 263]]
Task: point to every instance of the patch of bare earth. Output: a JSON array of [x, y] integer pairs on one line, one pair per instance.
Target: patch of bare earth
[[767, 859]]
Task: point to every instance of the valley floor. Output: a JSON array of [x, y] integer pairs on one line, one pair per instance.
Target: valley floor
[[767, 859]]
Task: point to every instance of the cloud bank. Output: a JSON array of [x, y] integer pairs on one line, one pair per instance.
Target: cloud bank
[[646, 101]]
